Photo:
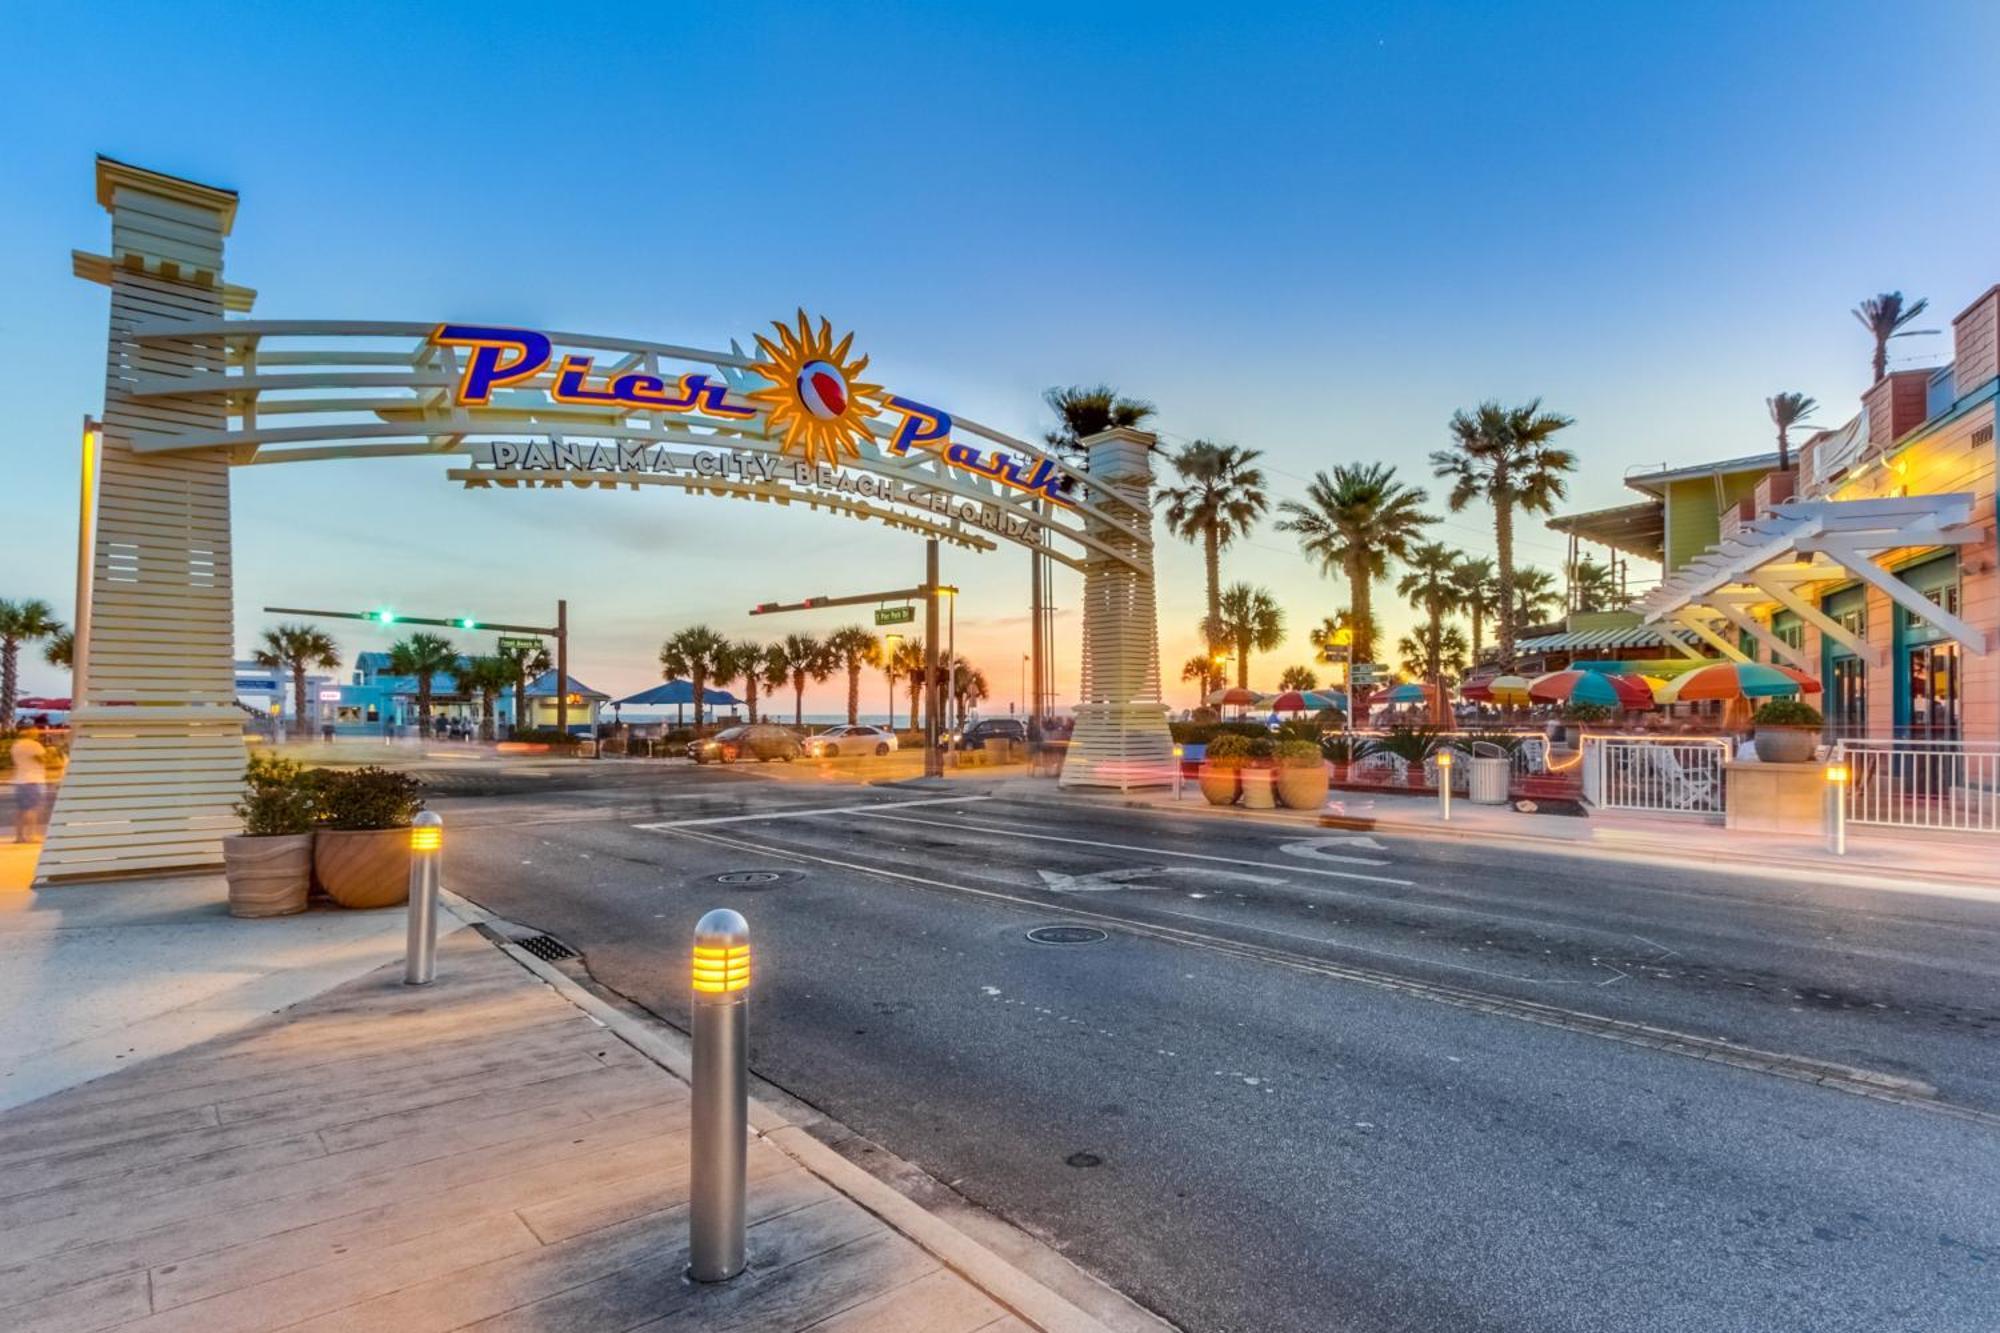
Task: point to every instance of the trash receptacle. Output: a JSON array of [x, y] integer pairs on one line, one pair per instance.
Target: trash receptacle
[[1489, 779]]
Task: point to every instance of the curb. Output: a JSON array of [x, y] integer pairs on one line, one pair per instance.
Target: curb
[[1028, 1299]]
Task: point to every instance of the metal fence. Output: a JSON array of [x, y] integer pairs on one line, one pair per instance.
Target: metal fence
[[1679, 776], [1924, 784]]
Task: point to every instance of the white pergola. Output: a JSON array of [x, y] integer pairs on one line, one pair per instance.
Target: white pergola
[[1804, 542]]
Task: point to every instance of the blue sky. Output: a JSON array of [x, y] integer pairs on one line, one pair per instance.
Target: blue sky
[[1313, 231]]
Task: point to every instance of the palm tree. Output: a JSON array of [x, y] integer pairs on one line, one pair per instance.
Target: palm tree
[[1534, 595], [906, 663], [1431, 583], [1249, 619], [1436, 652], [20, 622], [484, 677], [424, 656], [968, 687], [60, 650], [1354, 521], [1503, 455], [1087, 410], [524, 664], [1788, 410], [743, 660], [1200, 670], [1478, 597], [1222, 500], [1592, 587], [1298, 678], [1332, 639], [853, 648], [698, 653], [296, 649], [1884, 317], [801, 656]]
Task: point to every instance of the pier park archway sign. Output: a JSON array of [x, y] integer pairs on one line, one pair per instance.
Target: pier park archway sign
[[194, 387]]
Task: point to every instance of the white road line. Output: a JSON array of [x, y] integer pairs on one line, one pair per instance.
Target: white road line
[[808, 814], [1012, 832]]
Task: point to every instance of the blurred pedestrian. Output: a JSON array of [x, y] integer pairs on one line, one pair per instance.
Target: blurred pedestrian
[[31, 787]]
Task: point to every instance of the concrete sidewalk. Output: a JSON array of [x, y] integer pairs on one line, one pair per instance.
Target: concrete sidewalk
[[1878, 858]]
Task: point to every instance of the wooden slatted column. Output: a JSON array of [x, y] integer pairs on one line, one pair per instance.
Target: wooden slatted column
[[1121, 738], [158, 755]]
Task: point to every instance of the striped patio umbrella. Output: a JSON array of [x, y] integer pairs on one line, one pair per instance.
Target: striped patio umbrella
[[1235, 694], [1736, 680], [1304, 701], [1414, 692], [1591, 687], [1498, 690]]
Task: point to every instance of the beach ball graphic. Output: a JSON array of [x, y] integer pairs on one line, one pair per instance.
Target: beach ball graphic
[[822, 389]]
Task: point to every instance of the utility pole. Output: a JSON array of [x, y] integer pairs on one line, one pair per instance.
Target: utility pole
[[562, 666], [1034, 701], [86, 566]]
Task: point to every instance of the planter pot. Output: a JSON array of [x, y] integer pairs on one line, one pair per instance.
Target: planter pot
[[1303, 788], [1258, 788], [363, 868], [1219, 785], [269, 876], [1787, 745]]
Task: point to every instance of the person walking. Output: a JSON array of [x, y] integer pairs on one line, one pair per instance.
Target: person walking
[[31, 778]]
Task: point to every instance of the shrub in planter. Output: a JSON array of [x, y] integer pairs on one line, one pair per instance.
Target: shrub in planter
[[1787, 731], [1260, 772], [269, 865], [361, 854], [1222, 768], [1302, 779]]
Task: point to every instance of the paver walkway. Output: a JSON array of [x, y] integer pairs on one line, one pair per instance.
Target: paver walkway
[[477, 1152]]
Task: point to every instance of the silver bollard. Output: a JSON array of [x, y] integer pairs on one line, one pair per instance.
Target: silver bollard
[[1836, 795], [1444, 785], [420, 947], [720, 1146]]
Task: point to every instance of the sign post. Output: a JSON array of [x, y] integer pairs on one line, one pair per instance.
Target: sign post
[[895, 615]]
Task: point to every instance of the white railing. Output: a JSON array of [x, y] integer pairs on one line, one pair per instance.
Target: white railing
[[1948, 785], [1680, 776]]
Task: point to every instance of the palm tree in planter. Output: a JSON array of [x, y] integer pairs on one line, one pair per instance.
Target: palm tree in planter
[[524, 663], [296, 649], [1788, 410], [1884, 317], [852, 648], [1087, 410], [1298, 678], [801, 657], [484, 678], [1503, 455], [426, 657], [1478, 596], [1353, 521], [1249, 620], [698, 653], [20, 622], [1221, 500]]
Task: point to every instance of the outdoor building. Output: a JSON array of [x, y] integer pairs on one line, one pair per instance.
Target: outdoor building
[[1869, 564], [267, 692], [376, 698]]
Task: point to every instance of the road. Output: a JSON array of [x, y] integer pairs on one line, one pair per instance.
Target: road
[[1316, 1081]]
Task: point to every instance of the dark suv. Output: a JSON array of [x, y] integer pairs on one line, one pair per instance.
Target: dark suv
[[975, 736]]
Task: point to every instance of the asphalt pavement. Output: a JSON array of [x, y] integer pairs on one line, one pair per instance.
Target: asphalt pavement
[[1337, 1081]]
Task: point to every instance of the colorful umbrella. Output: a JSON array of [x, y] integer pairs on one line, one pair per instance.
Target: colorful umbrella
[[1591, 687], [1412, 693], [1498, 690], [1736, 680], [1235, 694], [1304, 701]]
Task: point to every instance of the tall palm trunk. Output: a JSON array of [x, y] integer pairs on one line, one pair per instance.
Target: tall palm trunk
[[1243, 664], [521, 701], [1211, 554], [853, 694], [423, 705], [486, 715], [1360, 611], [913, 703], [299, 700], [750, 695], [798, 698], [698, 678], [10, 679], [1503, 538]]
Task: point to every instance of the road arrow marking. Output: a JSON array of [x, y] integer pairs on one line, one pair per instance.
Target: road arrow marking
[[1315, 849], [1104, 881]]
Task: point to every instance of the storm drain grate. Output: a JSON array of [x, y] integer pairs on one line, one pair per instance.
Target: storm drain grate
[[1067, 935], [547, 948], [748, 877]]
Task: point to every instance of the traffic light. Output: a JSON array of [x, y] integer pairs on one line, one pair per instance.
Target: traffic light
[[466, 622], [383, 616]]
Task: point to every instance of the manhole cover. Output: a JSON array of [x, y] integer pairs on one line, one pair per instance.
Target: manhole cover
[[1083, 1159], [748, 877], [1067, 935], [547, 948]]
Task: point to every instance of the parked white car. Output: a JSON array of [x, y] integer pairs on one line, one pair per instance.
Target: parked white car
[[854, 740]]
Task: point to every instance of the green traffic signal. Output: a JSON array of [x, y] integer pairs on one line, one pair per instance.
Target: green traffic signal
[[385, 616], [466, 622]]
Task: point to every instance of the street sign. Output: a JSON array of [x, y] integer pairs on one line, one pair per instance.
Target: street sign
[[895, 615], [1366, 673], [510, 642]]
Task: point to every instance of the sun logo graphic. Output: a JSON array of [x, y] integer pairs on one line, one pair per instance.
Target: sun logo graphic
[[818, 406]]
